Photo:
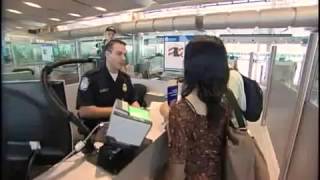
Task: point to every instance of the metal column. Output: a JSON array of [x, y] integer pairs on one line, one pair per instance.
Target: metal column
[[251, 61], [77, 48], [135, 48]]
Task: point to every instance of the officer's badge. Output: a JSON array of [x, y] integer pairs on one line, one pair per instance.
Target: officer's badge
[[84, 84], [124, 87]]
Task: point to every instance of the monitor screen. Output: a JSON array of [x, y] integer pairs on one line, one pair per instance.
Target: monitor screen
[[28, 115]]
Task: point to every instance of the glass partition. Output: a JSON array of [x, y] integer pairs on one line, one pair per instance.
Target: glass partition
[[130, 49], [259, 67], [314, 95], [239, 53], [152, 52], [89, 48], [146, 52], [6, 53], [36, 55], [37, 52], [283, 96], [26, 53], [288, 64]]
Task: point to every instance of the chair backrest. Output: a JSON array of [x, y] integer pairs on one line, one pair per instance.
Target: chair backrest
[[140, 91]]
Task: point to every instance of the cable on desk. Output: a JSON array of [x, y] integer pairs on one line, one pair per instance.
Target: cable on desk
[[35, 148], [94, 129], [80, 145], [32, 157]]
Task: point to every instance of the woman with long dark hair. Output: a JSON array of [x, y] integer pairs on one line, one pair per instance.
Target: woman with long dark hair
[[197, 123]]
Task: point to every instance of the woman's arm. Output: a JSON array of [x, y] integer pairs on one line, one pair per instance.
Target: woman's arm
[[175, 171], [176, 144]]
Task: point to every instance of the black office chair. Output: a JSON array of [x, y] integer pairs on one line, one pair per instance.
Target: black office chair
[[140, 91]]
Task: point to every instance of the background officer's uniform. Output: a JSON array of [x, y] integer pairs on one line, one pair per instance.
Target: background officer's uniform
[[98, 88], [101, 48]]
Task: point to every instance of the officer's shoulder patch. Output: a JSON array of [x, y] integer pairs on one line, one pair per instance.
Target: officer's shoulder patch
[[84, 84]]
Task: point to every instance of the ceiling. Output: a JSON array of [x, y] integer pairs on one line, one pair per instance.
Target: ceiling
[[35, 18], [38, 17]]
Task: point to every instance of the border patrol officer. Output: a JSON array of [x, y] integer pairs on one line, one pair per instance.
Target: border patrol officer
[[109, 34], [99, 88]]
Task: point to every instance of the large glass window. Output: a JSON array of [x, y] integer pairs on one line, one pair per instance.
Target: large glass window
[[6, 53], [129, 48], [288, 63], [37, 52], [89, 48], [153, 52], [26, 53], [239, 53], [63, 51]]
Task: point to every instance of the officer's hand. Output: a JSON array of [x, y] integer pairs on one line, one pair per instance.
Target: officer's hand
[[135, 104]]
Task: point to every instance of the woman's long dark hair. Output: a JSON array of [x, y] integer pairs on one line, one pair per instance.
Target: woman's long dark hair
[[206, 69]]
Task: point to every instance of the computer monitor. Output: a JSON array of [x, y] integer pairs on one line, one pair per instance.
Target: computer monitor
[[28, 115]]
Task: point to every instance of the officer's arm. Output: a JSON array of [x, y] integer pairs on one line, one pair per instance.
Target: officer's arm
[[94, 112], [132, 100], [135, 104], [86, 104]]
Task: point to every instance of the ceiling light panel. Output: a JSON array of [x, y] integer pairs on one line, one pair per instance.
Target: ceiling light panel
[[100, 9], [55, 19], [14, 11], [89, 18], [31, 4], [74, 14]]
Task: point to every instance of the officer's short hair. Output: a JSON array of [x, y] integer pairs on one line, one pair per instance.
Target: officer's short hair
[[110, 44]]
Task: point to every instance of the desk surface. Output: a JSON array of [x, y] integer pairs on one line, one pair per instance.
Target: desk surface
[[80, 167]]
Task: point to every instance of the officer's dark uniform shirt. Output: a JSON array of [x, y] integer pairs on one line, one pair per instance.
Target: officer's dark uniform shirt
[[98, 88]]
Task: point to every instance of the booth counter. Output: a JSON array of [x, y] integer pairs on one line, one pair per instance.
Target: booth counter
[[145, 166]]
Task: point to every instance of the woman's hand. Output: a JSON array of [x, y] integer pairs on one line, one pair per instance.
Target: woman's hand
[[135, 104], [164, 110]]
